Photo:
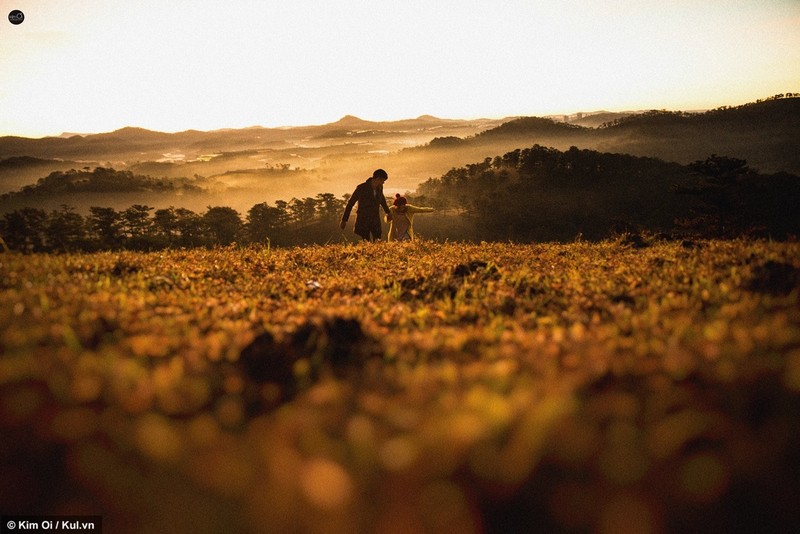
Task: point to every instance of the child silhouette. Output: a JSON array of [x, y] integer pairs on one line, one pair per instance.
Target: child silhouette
[[401, 223]]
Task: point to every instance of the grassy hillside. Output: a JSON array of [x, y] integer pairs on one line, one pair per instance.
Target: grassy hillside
[[406, 388]]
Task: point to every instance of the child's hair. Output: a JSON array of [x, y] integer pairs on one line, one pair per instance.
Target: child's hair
[[399, 200]]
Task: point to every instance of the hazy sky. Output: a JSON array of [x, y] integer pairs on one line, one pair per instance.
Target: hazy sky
[[99, 65]]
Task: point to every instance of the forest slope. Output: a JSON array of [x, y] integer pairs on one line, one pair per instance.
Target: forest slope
[[764, 133]]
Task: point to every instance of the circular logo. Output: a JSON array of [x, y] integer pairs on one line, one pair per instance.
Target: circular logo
[[16, 17]]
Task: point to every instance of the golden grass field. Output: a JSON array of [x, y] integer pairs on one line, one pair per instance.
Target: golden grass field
[[621, 386]]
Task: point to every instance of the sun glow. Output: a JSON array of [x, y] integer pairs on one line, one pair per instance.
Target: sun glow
[[91, 66]]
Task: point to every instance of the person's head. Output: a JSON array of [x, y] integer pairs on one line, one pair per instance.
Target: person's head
[[379, 176], [399, 200]]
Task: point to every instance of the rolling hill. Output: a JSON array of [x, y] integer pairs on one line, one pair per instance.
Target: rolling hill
[[334, 157], [764, 133]]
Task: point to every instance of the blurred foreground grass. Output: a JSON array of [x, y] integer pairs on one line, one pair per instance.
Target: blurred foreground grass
[[622, 386]]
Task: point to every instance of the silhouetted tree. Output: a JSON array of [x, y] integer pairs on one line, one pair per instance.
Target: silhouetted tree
[[329, 207], [66, 230], [137, 226], [104, 227], [165, 226], [301, 212], [190, 228], [283, 212], [223, 224], [262, 223], [24, 229], [723, 210]]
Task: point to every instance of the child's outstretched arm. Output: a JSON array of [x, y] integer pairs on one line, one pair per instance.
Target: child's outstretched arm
[[418, 209]]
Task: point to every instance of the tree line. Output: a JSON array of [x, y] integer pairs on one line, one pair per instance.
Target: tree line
[[531, 194], [142, 227], [664, 116], [543, 194], [104, 180]]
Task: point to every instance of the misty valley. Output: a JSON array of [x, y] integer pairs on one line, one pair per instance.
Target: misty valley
[[721, 173]]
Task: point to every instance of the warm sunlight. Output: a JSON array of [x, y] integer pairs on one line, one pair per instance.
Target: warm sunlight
[[418, 266], [92, 66]]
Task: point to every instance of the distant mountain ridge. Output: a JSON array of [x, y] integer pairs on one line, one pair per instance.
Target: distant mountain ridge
[[130, 140]]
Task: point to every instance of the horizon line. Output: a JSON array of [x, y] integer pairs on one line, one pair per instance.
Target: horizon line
[[424, 116]]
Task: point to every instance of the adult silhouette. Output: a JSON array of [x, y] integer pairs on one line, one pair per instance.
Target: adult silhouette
[[369, 197]]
